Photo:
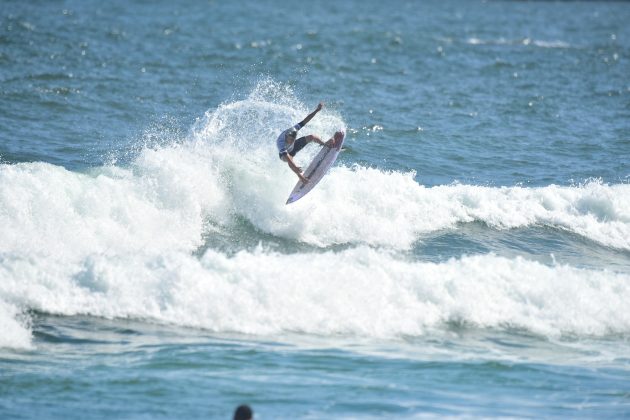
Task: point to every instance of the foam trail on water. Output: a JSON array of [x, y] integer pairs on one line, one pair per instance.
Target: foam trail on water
[[357, 292], [521, 41]]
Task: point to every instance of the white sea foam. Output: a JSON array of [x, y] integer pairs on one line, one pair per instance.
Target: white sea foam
[[391, 209], [359, 292], [166, 199], [520, 41], [14, 326], [119, 242]]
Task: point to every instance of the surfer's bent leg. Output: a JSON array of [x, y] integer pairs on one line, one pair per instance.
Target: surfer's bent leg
[[315, 138], [299, 145]]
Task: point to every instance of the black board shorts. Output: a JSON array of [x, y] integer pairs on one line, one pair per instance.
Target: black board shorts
[[297, 146]]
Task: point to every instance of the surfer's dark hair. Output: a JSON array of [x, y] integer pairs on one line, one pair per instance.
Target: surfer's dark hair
[[243, 412]]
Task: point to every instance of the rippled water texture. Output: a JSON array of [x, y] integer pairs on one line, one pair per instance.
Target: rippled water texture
[[467, 256]]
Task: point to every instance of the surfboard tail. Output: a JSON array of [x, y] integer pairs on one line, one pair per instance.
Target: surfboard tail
[[295, 196]]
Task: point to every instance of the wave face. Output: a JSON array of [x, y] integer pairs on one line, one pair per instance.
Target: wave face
[[135, 241]]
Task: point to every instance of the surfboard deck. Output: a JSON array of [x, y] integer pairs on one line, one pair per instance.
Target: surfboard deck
[[318, 168]]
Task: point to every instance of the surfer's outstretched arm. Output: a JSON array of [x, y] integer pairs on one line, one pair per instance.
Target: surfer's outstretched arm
[[312, 114]]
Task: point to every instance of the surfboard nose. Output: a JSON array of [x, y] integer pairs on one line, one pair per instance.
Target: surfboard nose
[[338, 137]]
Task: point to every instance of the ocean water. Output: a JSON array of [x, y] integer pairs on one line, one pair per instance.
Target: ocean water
[[467, 256]]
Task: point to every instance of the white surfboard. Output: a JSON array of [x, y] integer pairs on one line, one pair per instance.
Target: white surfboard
[[318, 167]]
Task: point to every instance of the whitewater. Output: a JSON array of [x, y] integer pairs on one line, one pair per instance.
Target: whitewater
[[136, 241]]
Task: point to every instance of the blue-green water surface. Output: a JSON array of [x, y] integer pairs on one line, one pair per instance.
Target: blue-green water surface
[[468, 255]]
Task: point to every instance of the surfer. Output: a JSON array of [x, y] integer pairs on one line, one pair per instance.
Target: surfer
[[288, 146], [243, 412]]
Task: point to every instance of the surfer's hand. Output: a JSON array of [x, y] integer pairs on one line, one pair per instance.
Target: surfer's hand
[[320, 106], [304, 179]]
